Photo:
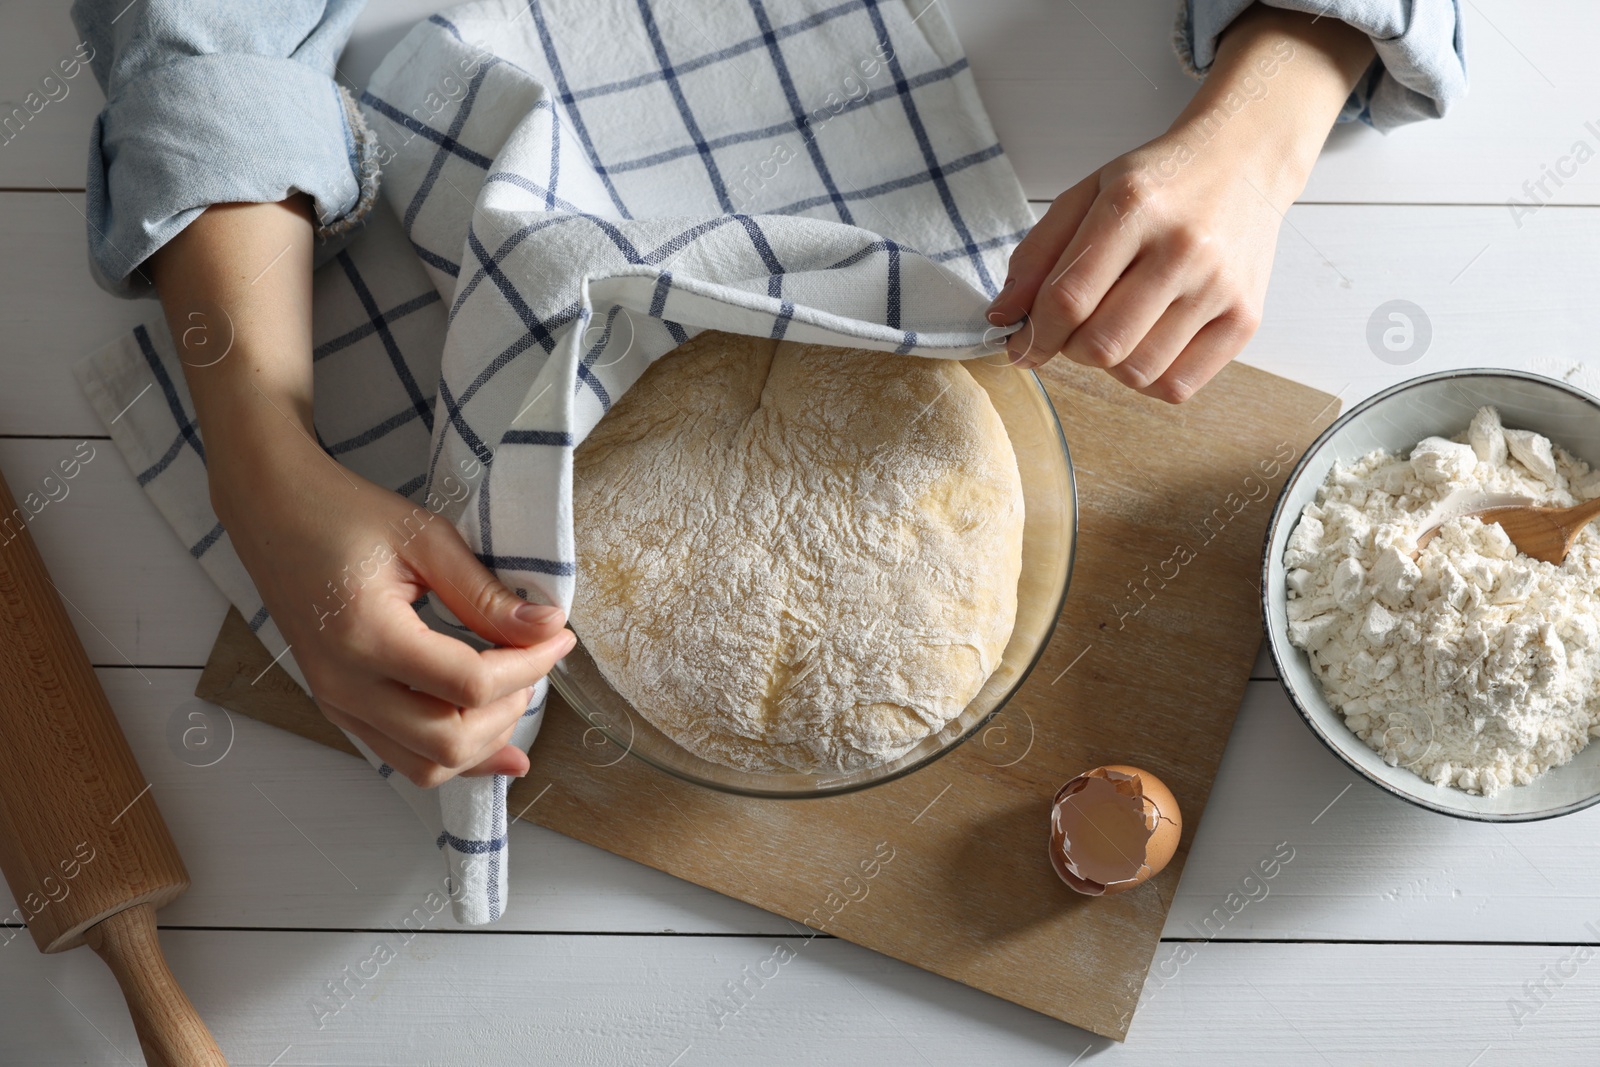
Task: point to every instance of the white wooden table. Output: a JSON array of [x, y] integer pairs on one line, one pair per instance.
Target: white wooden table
[[1391, 930]]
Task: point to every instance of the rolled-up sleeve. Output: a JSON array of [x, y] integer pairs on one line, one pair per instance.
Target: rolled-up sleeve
[[1419, 72], [210, 103]]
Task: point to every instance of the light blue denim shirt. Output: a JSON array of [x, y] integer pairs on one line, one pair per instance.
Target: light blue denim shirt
[[210, 103], [1419, 72]]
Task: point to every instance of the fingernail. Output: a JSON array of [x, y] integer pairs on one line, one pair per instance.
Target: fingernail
[[997, 317], [536, 613], [567, 642]]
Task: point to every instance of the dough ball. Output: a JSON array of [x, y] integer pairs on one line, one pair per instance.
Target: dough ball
[[795, 557]]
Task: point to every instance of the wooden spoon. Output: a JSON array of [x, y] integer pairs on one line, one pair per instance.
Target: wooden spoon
[[1542, 533]]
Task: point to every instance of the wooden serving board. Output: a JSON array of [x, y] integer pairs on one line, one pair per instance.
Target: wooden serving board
[[947, 869]]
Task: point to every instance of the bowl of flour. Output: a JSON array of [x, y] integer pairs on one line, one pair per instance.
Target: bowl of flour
[[1464, 677]]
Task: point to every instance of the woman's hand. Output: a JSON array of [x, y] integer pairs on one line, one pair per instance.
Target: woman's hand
[[1155, 267], [339, 560], [1161, 283]]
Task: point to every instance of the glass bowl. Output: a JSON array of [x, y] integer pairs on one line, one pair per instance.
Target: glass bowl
[[616, 731], [1395, 420]]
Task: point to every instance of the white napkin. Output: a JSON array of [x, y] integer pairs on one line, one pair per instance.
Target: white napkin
[[578, 186]]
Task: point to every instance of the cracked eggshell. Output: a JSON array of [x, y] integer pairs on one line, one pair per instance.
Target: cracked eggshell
[[1112, 828]]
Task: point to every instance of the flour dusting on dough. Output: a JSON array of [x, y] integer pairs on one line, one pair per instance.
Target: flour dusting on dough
[[796, 557]]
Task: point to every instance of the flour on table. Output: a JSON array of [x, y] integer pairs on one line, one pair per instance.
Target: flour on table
[[1474, 665], [796, 557]]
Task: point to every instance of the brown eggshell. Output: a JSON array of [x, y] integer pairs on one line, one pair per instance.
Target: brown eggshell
[[1112, 828]]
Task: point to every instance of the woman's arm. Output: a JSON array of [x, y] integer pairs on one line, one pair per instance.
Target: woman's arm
[[211, 103], [1156, 266], [236, 288]]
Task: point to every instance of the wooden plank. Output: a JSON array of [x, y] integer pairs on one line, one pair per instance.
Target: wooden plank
[[1525, 302], [1069, 87], [46, 142], [50, 148], [133, 591], [250, 813], [1367, 865], [1154, 483], [1369, 868], [160, 609], [507, 998], [1372, 880], [1495, 296], [52, 315]]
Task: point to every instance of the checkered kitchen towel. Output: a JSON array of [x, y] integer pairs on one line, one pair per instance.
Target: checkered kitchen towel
[[575, 187]]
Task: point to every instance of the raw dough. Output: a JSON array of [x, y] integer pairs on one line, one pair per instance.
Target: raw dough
[[796, 557]]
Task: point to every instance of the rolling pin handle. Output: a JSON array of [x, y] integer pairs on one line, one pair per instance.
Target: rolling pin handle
[[170, 1031]]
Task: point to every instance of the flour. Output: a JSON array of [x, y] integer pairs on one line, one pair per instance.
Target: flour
[[1473, 665]]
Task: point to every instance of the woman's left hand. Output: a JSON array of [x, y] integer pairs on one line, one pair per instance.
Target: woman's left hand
[[1155, 267]]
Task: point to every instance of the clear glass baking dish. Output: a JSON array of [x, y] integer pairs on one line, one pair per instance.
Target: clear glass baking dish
[[616, 731]]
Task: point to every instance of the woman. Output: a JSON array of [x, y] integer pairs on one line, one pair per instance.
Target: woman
[[226, 149]]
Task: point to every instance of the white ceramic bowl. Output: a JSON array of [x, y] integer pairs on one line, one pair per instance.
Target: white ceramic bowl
[[1395, 420]]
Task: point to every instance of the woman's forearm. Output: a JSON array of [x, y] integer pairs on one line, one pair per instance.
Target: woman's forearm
[[1276, 88], [338, 560], [236, 289]]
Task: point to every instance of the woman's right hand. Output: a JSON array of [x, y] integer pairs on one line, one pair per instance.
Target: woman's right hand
[[339, 562]]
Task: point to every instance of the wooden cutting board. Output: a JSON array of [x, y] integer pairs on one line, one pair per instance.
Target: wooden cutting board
[[947, 869]]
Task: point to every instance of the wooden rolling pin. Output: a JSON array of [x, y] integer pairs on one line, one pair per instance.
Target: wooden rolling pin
[[82, 845]]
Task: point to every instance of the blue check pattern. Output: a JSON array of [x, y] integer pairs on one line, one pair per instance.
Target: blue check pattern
[[573, 188]]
